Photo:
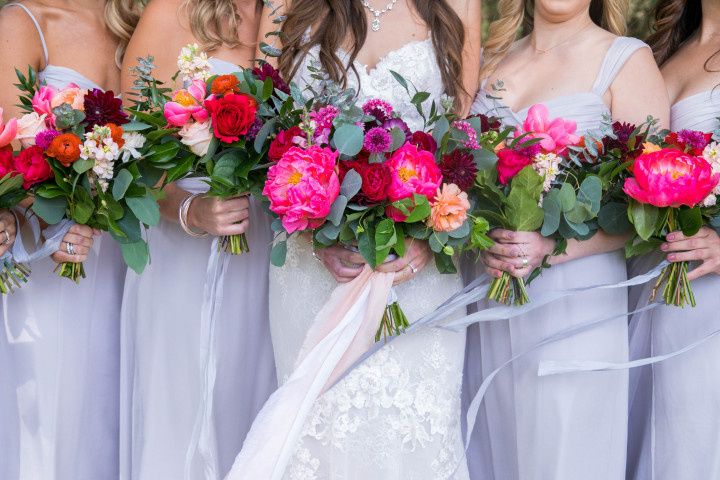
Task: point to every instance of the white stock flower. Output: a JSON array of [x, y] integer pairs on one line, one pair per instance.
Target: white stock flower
[[102, 149], [547, 165], [133, 142], [193, 63]]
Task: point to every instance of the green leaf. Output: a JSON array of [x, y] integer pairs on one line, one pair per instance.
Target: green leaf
[[82, 206], [644, 218], [590, 193], [479, 239], [580, 213], [522, 210], [136, 255], [337, 210], [348, 139], [328, 234], [278, 253], [444, 263], [420, 211], [437, 241], [145, 208], [52, 210], [440, 128], [163, 153], [135, 126], [484, 158], [401, 80], [690, 220], [553, 212], [398, 139], [419, 98], [226, 165], [385, 239], [461, 232], [82, 166], [263, 134], [121, 183], [613, 218], [567, 197], [351, 184], [130, 227]]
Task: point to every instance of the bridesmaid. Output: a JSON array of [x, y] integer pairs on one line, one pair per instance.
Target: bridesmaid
[[680, 439], [568, 427], [59, 385], [164, 370]]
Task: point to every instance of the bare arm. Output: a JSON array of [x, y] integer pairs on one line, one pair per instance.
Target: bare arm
[[469, 12], [276, 9]]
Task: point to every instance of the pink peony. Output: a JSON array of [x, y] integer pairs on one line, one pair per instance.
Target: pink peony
[[302, 187], [187, 104], [411, 171], [555, 134], [7, 130], [670, 178]]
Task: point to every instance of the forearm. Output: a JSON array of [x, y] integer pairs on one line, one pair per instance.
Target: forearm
[[601, 242], [170, 205]]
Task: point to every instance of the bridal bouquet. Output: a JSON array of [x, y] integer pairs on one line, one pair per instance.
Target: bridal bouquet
[[79, 165], [673, 185], [217, 127], [540, 181], [359, 177]]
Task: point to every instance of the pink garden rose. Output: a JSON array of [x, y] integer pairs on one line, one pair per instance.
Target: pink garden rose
[[670, 178], [187, 104], [29, 126], [411, 171], [555, 134], [197, 136], [302, 187], [7, 130]]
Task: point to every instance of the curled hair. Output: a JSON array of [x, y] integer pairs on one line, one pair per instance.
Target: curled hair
[[121, 18], [215, 22], [344, 18], [515, 16], [675, 22]]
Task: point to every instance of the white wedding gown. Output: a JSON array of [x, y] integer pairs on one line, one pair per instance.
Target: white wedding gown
[[397, 416]]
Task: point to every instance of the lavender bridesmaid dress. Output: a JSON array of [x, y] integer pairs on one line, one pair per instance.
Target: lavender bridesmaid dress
[[675, 409], [565, 427], [59, 357]]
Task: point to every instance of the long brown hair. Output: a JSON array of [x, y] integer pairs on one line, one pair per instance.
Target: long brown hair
[[517, 15], [343, 18], [675, 22], [215, 22]]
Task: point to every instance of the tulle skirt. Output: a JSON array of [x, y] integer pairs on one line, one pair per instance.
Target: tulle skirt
[[59, 372], [163, 375], [563, 427]]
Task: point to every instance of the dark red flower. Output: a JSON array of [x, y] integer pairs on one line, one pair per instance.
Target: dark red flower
[[424, 141], [510, 163], [232, 116], [397, 123], [283, 142], [375, 179], [459, 168], [622, 132], [6, 162], [487, 123], [102, 108], [33, 166], [267, 71]]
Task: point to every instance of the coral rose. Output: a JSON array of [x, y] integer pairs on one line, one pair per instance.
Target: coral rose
[[510, 163], [28, 127], [73, 95], [187, 104], [449, 209], [7, 130], [65, 148], [412, 171], [33, 166], [302, 187], [670, 178], [197, 136], [224, 84], [232, 116]]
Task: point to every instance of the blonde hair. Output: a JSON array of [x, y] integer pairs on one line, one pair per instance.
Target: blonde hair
[[121, 17], [516, 15], [214, 22]]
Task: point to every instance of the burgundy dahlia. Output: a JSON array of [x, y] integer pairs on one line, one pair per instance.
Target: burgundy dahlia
[[379, 109], [487, 123], [102, 108], [267, 71], [623, 131], [459, 168]]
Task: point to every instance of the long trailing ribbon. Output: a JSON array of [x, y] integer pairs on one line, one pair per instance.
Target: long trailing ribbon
[[53, 236], [202, 440]]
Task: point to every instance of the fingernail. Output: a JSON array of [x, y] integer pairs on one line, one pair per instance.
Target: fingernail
[[671, 237], [664, 246], [671, 258]]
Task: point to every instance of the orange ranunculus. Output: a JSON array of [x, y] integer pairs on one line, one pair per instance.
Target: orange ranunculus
[[65, 148], [224, 84], [449, 209], [649, 147], [117, 134]]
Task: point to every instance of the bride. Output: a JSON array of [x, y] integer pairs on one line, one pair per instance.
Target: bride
[[398, 414]]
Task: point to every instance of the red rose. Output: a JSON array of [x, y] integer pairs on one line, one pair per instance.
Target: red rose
[[375, 179], [283, 142], [510, 163], [6, 162], [33, 166], [232, 116], [424, 141]]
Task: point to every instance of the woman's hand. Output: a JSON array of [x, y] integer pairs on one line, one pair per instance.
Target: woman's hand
[[343, 264], [517, 253], [417, 255], [220, 217], [78, 239], [8, 230], [702, 247]]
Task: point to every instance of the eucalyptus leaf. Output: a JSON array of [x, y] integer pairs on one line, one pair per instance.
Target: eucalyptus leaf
[[644, 218], [52, 210], [348, 139], [613, 218], [82, 166], [590, 193], [121, 183], [337, 209], [278, 253], [351, 184], [553, 212], [136, 255], [145, 208]]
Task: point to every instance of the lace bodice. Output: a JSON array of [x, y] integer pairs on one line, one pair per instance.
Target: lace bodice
[[414, 61], [588, 109], [696, 112]]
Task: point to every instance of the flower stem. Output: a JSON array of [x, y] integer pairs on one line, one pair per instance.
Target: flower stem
[[234, 244], [393, 322], [508, 290], [72, 270], [12, 275]]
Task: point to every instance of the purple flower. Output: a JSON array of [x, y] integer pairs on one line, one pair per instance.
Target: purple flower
[[529, 151], [398, 123], [102, 108], [377, 140], [471, 142], [693, 139], [43, 139], [255, 129], [379, 109], [324, 117]]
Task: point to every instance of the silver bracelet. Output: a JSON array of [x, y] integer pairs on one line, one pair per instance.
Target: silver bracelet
[[183, 213]]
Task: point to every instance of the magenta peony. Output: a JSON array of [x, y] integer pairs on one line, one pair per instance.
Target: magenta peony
[[555, 135], [670, 178], [411, 171], [302, 187]]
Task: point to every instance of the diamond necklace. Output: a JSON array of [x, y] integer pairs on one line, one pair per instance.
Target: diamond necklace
[[375, 24]]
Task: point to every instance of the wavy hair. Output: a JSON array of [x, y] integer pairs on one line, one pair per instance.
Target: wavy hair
[[675, 22], [346, 18], [215, 22], [515, 16], [121, 18]]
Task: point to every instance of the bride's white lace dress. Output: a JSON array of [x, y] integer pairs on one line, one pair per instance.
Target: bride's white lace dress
[[397, 416]]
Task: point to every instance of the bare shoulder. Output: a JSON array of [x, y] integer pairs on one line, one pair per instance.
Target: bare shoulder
[[163, 14], [16, 23], [19, 38], [465, 7]]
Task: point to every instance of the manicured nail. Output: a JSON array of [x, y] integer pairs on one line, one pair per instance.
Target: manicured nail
[[671, 237], [671, 258], [664, 246]]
